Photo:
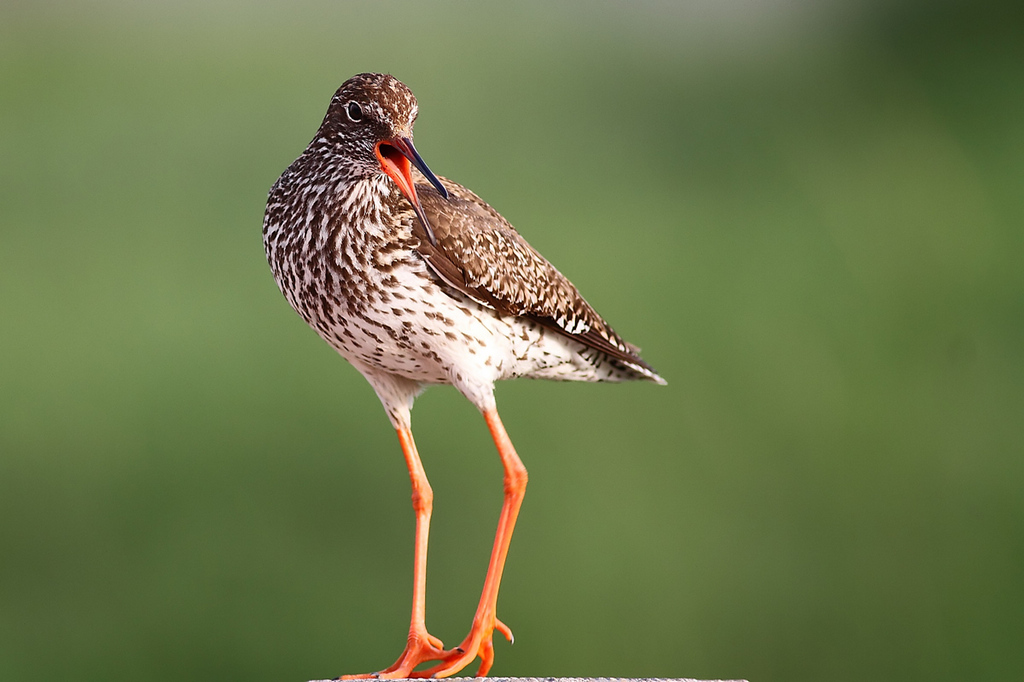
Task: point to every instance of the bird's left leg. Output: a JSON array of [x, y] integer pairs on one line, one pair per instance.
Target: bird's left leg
[[478, 643]]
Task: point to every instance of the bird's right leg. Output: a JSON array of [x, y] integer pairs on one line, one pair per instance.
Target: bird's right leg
[[421, 645]]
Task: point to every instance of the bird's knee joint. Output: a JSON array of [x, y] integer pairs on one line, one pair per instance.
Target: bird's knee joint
[[515, 481], [422, 499]]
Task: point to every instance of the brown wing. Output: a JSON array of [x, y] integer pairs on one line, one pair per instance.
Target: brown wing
[[479, 253]]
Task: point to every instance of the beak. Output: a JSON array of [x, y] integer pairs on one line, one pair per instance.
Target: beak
[[396, 157]]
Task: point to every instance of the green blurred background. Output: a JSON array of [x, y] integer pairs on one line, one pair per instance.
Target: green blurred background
[[809, 215]]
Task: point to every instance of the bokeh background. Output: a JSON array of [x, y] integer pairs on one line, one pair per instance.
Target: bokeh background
[[809, 214]]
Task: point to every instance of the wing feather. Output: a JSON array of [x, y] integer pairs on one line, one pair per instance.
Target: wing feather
[[480, 254]]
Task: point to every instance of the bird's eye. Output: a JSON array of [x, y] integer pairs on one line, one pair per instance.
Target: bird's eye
[[354, 111]]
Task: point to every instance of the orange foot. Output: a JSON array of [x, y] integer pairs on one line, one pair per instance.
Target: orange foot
[[420, 648], [478, 643]]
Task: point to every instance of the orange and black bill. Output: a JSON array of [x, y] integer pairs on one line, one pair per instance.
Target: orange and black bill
[[397, 156]]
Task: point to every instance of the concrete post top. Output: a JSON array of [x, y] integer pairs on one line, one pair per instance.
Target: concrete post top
[[579, 679]]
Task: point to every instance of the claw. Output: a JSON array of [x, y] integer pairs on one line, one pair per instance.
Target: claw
[[479, 643], [421, 647], [505, 630]]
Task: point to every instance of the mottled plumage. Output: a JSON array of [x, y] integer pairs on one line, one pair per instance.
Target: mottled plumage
[[416, 281]]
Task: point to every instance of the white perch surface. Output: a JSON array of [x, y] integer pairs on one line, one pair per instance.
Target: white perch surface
[[578, 679]]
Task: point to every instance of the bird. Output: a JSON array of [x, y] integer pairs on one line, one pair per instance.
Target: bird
[[416, 281]]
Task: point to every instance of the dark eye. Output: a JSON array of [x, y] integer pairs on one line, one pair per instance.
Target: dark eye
[[355, 112]]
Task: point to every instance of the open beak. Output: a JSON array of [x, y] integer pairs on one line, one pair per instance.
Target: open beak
[[397, 156]]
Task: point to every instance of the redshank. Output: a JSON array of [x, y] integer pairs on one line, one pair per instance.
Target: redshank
[[416, 281]]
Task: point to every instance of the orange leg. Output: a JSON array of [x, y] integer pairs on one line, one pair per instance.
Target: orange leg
[[479, 640], [421, 645]]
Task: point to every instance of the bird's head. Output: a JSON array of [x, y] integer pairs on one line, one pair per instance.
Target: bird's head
[[369, 123]]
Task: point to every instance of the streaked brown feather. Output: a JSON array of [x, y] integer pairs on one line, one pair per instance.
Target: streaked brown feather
[[479, 253]]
